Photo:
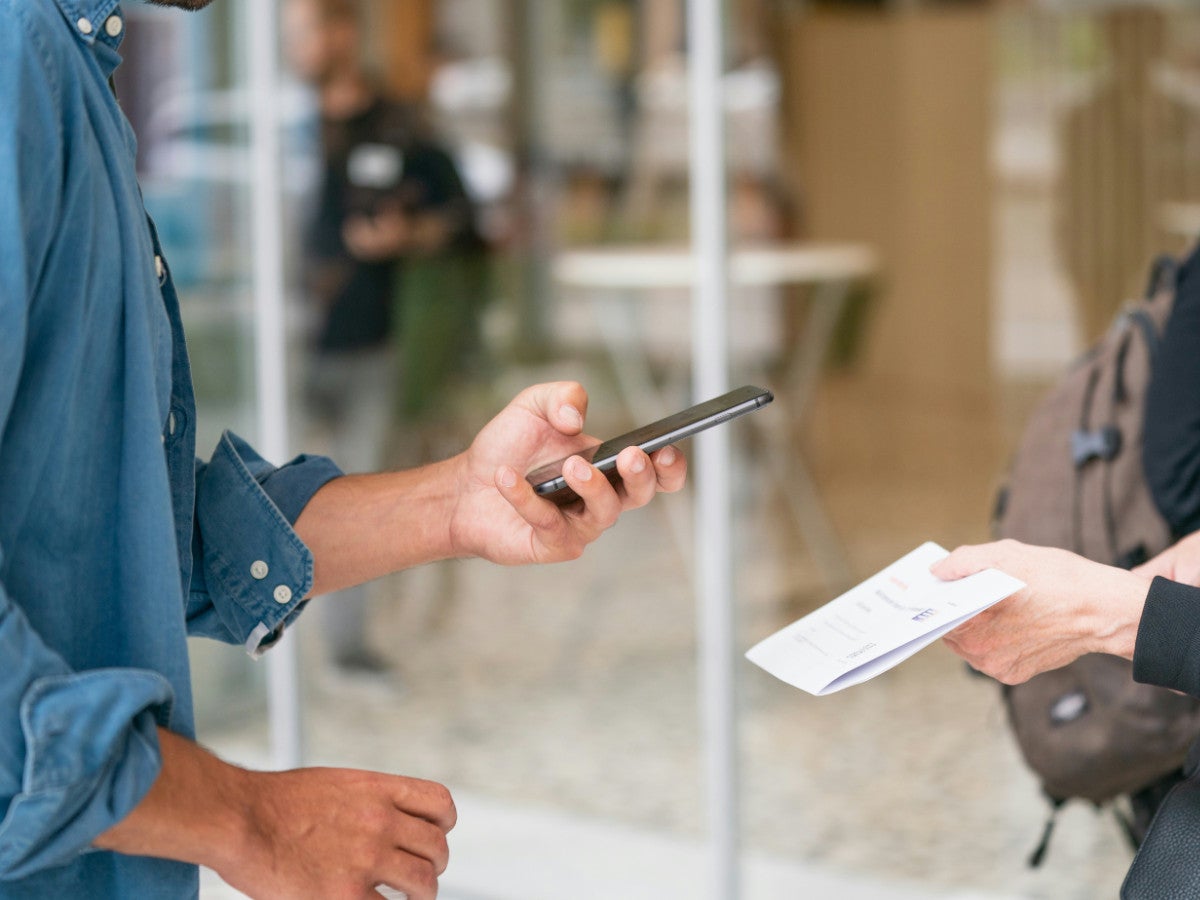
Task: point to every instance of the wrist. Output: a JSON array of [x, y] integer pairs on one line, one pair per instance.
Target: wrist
[[458, 481], [196, 811], [417, 503], [231, 823], [1118, 613]]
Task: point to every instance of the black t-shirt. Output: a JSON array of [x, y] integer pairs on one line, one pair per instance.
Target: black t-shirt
[[374, 161], [1171, 441], [1168, 640]]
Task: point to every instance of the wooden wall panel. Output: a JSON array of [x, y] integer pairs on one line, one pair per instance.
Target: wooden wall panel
[[889, 120], [403, 44]]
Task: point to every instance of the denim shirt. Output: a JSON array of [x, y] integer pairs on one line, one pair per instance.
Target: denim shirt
[[115, 543]]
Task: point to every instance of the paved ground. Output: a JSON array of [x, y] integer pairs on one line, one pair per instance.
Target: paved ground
[[568, 694]]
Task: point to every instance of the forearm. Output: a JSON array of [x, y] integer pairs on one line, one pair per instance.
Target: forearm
[[361, 527], [195, 812]]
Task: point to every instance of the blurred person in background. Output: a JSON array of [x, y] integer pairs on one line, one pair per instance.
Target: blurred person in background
[[116, 543], [390, 207]]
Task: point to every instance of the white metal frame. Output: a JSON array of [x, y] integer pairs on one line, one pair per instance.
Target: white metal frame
[[710, 373], [710, 377], [262, 50]]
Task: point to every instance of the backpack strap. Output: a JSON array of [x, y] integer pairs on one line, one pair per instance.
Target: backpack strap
[[1079, 437], [1038, 856], [1145, 324], [1163, 272]]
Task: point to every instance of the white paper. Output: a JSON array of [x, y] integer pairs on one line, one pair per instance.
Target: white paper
[[878, 624]]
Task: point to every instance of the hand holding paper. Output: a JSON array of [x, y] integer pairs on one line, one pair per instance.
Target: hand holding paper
[[878, 624], [1070, 606]]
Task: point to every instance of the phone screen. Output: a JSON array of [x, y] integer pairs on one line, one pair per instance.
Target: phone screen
[[548, 481]]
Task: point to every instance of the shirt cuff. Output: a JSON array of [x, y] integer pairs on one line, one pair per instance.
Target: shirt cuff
[[291, 486], [1167, 651], [257, 570]]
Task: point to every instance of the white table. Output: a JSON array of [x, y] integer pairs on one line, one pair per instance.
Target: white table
[[613, 277], [1181, 219]]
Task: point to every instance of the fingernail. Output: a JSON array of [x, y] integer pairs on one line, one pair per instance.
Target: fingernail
[[508, 477], [638, 464], [570, 415], [667, 456], [581, 470]]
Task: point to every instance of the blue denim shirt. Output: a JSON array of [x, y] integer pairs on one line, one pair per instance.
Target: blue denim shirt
[[115, 543]]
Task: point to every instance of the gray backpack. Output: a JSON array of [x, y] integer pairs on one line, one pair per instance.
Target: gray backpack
[[1088, 730]]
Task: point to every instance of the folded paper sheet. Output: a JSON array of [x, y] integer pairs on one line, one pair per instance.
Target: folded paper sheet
[[878, 624]]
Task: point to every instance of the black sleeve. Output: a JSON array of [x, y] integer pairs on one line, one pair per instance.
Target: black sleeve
[[1167, 652], [1171, 449]]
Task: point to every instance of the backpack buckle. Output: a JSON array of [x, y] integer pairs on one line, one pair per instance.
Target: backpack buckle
[[1103, 443]]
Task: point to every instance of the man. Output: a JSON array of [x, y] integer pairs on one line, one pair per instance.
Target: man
[[115, 543]]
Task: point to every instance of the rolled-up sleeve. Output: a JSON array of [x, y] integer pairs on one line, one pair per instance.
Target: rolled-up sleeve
[[251, 572], [78, 750]]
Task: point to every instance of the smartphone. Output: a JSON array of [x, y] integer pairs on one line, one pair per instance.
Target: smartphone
[[548, 480]]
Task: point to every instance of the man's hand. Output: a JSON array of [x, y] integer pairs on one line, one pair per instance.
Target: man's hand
[[377, 238], [308, 834], [478, 503], [1071, 606], [1180, 562], [500, 517], [340, 833]]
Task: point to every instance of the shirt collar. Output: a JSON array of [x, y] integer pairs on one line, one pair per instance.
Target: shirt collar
[[88, 19]]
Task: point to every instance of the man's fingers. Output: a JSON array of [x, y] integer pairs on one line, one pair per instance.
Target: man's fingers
[[561, 403], [412, 875], [538, 512], [670, 468], [601, 503], [426, 800], [422, 839], [965, 561], [638, 479]]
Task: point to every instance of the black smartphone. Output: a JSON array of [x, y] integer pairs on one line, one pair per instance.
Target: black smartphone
[[548, 480]]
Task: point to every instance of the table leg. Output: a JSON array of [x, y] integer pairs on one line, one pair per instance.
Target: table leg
[[801, 377], [617, 317]]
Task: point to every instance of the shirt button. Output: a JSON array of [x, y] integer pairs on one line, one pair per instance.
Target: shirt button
[[259, 570], [113, 26], [160, 269], [283, 594], [84, 26], [171, 423]]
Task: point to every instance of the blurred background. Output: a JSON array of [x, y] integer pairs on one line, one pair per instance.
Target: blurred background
[[934, 207]]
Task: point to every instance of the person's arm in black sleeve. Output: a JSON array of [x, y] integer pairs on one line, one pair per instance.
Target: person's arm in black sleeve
[[1167, 652], [1171, 443]]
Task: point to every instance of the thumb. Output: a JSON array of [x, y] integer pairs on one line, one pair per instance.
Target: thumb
[[563, 404], [964, 561]]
